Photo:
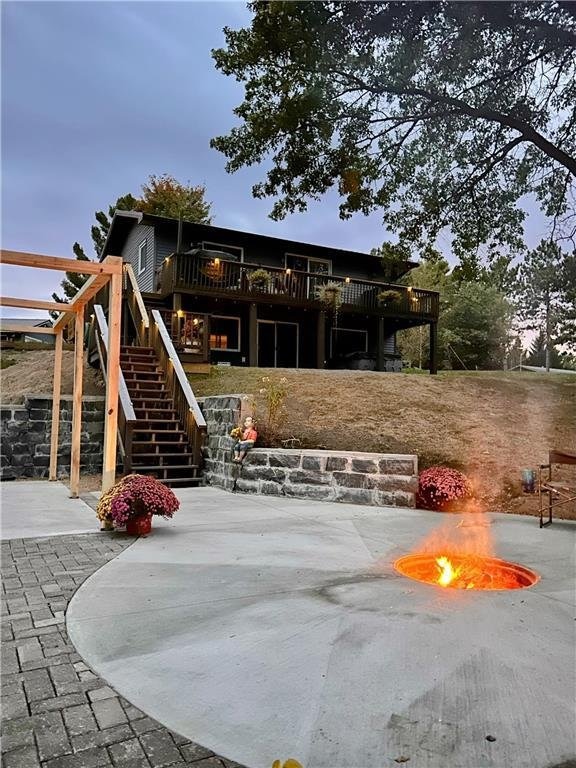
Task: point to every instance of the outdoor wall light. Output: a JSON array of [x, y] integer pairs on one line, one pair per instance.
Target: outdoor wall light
[[347, 280], [180, 313], [288, 271]]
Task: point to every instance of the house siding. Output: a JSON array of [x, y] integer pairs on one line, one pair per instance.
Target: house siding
[[141, 232]]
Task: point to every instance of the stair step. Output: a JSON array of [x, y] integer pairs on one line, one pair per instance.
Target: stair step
[[169, 481], [138, 367], [144, 414], [163, 455], [144, 376], [158, 467], [137, 350]]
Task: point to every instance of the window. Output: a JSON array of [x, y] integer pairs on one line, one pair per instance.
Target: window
[[347, 340], [225, 333], [142, 257], [232, 250], [307, 264]]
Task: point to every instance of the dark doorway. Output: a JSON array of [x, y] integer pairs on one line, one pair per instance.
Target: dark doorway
[[277, 344]]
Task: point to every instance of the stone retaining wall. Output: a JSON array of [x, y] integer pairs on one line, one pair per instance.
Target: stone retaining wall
[[26, 432], [357, 478]]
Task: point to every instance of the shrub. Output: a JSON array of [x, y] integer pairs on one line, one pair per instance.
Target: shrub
[[133, 496], [439, 487]]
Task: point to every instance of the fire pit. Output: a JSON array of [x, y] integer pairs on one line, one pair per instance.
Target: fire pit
[[465, 571]]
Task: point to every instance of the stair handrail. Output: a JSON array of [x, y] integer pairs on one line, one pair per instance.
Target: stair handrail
[[126, 414], [136, 302], [183, 397]]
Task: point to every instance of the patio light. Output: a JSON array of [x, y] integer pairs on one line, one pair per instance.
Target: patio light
[[347, 280]]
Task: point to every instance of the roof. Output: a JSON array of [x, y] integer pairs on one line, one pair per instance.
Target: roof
[[123, 221], [26, 322]]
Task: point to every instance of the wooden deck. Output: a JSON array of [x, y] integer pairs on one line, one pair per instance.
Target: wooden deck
[[189, 273]]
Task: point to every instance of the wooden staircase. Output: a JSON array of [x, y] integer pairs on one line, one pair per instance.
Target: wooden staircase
[[159, 444]]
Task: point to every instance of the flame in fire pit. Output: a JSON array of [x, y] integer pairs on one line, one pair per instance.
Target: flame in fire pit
[[471, 572], [461, 557], [447, 572]]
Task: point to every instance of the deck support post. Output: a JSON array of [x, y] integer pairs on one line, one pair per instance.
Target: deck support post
[[380, 361], [433, 348], [53, 472], [77, 403], [321, 340], [112, 380], [253, 336]]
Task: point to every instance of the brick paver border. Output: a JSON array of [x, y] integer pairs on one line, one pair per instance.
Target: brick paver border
[[56, 712]]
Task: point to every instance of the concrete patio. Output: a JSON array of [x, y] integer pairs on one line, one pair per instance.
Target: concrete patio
[[267, 628]]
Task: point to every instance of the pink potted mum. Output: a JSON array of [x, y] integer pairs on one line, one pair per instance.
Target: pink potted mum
[[133, 501]]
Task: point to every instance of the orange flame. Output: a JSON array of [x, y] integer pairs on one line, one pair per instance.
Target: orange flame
[[447, 572]]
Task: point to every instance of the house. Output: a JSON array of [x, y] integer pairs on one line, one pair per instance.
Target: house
[[10, 330], [232, 297]]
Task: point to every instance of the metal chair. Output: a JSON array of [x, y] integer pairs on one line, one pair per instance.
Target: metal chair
[[554, 492]]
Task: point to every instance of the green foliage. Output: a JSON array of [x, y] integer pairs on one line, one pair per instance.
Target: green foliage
[[537, 353], [475, 323], [547, 295], [271, 404], [441, 114], [477, 327], [260, 279], [389, 297], [330, 295], [165, 196], [161, 196], [393, 259]]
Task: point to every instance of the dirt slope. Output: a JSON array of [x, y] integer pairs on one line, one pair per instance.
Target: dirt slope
[[33, 374], [492, 425]]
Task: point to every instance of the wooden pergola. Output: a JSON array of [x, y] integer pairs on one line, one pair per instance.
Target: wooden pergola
[[107, 271]]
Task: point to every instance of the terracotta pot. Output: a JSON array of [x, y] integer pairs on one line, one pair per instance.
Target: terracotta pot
[[139, 526]]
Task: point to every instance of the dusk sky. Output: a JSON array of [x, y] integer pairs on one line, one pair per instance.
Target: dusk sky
[[96, 96]]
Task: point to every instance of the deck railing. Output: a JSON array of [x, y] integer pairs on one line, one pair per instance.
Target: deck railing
[[219, 276], [136, 306], [126, 414], [178, 386]]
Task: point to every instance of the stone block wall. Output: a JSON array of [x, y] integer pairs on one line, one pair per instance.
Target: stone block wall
[[345, 476], [26, 433]]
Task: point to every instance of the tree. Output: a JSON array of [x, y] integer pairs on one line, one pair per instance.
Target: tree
[[478, 327], [161, 196], [538, 353], [441, 114], [165, 196], [547, 293], [433, 274]]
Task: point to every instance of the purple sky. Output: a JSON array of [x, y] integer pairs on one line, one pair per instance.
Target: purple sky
[[96, 96]]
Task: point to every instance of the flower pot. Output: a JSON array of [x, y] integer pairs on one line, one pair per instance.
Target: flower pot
[[139, 526]]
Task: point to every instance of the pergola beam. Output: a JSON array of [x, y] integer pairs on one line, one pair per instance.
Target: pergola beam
[[51, 306], [110, 265], [109, 270], [13, 328]]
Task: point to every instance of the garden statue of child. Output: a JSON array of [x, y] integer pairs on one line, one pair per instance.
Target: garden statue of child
[[247, 439]]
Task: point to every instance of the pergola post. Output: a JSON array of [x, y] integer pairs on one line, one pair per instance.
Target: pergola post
[[53, 473], [77, 402], [113, 368]]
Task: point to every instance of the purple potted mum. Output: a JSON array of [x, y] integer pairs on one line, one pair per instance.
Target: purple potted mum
[[133, 501]]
